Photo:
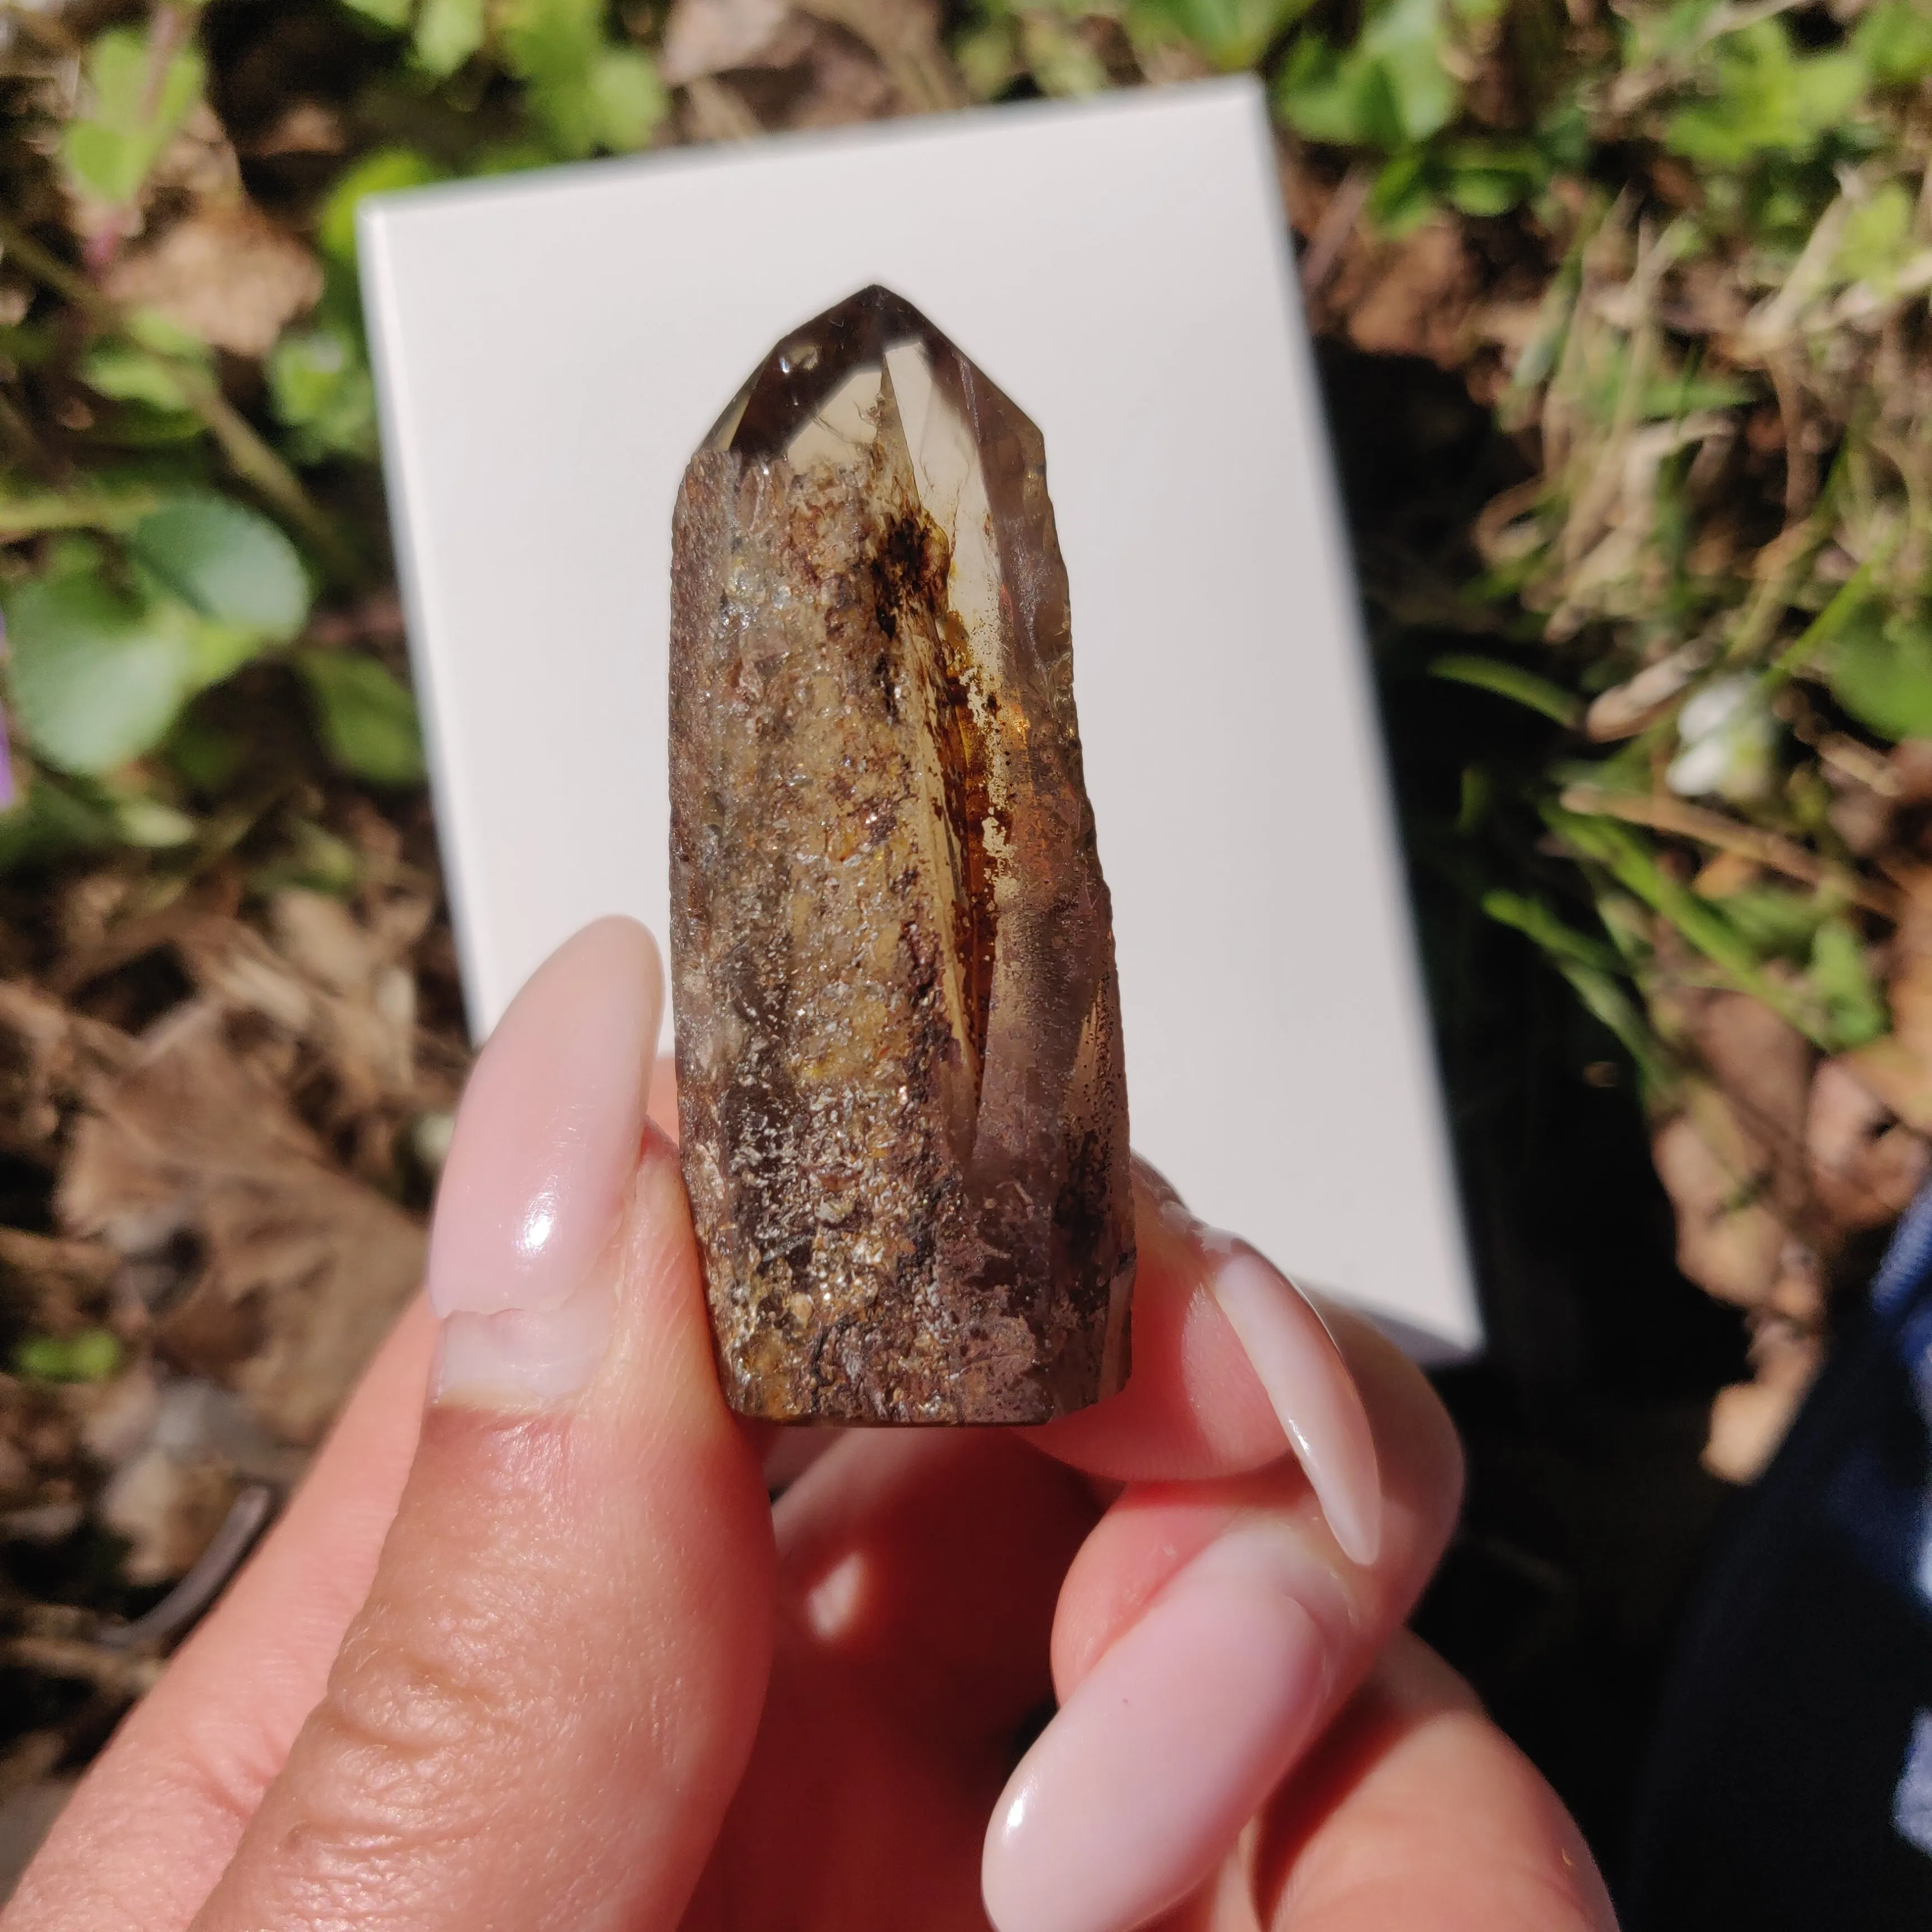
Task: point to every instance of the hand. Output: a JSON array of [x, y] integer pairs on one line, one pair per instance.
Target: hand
[[541, 1654]]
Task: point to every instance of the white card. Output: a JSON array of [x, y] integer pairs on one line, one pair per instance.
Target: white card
[[549, 350]]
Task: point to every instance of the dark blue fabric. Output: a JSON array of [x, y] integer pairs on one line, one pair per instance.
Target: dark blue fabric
[[1791, 1782]]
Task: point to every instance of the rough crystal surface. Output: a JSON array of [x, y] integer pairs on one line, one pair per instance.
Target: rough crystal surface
[[902, 1109]]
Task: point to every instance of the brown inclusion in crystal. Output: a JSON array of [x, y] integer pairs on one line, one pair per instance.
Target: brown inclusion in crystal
[[903, 1116]]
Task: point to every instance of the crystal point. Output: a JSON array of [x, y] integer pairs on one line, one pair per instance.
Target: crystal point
[[902, 1109]]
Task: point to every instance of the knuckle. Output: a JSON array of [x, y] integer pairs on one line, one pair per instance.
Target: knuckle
[[413, 1752]]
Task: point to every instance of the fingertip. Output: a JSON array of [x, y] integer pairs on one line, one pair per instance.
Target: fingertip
[[548, 1130], [1235, 1368], [1313, 1394]]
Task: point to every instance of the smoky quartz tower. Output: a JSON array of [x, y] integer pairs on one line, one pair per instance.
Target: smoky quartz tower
[[901, 1097]]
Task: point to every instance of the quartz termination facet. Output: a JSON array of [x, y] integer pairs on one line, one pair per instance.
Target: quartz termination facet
[[903, 1115]]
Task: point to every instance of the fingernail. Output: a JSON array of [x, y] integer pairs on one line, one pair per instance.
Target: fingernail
[[1311, 1390], [1145, 1776], [545, 1148]]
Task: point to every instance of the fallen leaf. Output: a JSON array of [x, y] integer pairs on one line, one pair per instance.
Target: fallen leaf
[[55, 1286], [1763, 1065], [47, 1056], [304, 128], [226, 273], [1729, 1242], [1414, 296], [1898, 1068], [1749, 1420], [1865, 1165], [708, 37], [168, 1510], [302, 1268]]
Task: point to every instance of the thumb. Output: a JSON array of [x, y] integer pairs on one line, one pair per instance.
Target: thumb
[[541, 1713]]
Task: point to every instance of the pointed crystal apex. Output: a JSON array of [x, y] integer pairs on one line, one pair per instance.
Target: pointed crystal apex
[[807, 370], [903, 1112]]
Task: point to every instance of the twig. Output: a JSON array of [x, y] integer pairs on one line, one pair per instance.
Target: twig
[[1703, 827], [98, 509], [1332, 232], [83, 1662], [207, 1577]]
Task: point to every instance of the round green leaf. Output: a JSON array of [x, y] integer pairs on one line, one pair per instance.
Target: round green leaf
[[366, 720], [628, 98], [385, 172], [447, 32], [96, 679], [226, 561], [1883, 677]]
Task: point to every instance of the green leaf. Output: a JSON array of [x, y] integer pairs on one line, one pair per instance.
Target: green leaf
[[133, 113], [1233, 33], [1842, 979], [1402, 197], [552, 41], [1776, 920], [1652, 35], [96, 678], [628, 99], [394, 14], [1062, 63], [582, 93], [205, 754], [1631, 862], [1406, 37], [1877, 240], [1766, 99], [987, 55], [447, 32], [1541, 923], [1895, 41], [91, 1356], [1511, 681], [1390, 89], [1881, 674], [226, 561], [385, 172], [366, 720], [1490, 177], [319, 388], [126, 373], [50, 822], [149, 824]]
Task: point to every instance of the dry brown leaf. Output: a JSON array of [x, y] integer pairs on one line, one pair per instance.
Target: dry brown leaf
[[303, 1269], [1898, 1069], [1865, 1167], [38, 1440], [304, 128], [1749, 1420], [1410, 297], [1762, 1064], [1729, 1242], [847, 85], [1911, 768], [226, 273], [168, 1510], [47, 1055], [708, 37], [905, 36], [58, 1286]]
